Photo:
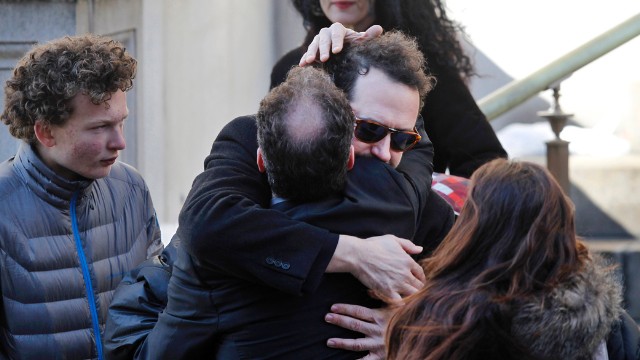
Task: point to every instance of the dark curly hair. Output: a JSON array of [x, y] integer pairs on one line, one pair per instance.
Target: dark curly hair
[[426, 20], [49, 76], [305, 128], [394, 53]]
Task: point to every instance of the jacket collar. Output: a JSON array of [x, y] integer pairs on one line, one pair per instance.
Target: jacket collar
[[44, 182]]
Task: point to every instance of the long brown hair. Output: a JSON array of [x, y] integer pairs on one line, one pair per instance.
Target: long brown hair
[[515, 237]]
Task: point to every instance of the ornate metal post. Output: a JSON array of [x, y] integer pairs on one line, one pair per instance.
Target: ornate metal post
[[558, 149]]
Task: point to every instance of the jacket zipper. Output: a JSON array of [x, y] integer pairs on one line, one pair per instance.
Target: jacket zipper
[[87, 278]]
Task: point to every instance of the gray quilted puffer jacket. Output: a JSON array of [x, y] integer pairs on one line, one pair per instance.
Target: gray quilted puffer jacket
[[64, 247]]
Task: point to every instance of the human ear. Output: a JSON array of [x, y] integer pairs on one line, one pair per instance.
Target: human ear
[[352, 157], [44, 134], [260, 161]]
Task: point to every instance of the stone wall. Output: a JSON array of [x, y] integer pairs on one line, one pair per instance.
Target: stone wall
[[22, 24]]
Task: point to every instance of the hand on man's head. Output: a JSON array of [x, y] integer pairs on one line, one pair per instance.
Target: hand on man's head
[[331, 41]]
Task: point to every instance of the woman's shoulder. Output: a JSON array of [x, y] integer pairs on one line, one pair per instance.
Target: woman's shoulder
[[282, 66]]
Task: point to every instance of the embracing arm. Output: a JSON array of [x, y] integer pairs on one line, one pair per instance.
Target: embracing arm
[[417, 167], [225, 223], [370, 322]]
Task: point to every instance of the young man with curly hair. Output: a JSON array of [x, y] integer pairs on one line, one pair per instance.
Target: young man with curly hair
[[73, 219]]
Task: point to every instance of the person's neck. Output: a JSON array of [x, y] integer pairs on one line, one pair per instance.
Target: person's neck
[[45, 155]]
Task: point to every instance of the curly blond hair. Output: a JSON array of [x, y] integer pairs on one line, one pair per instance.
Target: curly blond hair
[[49, 76]]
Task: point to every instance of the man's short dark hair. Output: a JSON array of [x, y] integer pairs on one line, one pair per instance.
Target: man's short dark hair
[[305, 127], [49, 76], [394, 53]]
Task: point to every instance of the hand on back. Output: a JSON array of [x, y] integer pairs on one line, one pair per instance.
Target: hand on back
[[381, 263]]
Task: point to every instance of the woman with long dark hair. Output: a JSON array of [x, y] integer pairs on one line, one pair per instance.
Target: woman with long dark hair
[[462, 137], [513, 281]]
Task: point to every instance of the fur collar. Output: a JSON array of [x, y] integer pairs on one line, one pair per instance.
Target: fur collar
[[572, 320]]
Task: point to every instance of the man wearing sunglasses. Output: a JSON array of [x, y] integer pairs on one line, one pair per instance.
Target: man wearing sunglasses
[[225, 212]]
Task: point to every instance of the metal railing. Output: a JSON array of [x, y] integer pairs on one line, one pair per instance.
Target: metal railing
[[550, 77], [518, 91]]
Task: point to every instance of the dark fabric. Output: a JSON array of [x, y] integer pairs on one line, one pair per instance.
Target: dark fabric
[[437, 219], [188, 326], [375, 202], [213, 306], [462, 137], [623, 342], [45, 308], [137, 301]]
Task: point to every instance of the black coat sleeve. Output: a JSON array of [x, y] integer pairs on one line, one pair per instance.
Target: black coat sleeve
[[417, 167], [436, 221], [225, 221], [462, 137]]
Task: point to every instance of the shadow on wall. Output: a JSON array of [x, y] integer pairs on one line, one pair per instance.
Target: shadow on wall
[[8, 144], [627, 263], [592, 222]]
